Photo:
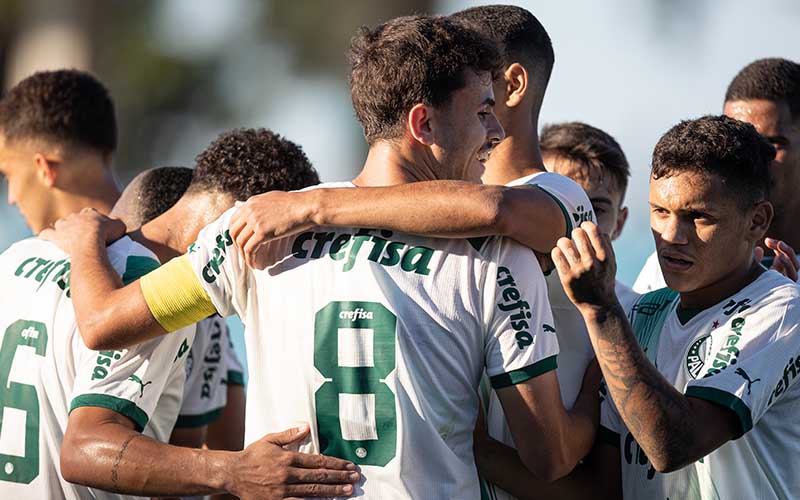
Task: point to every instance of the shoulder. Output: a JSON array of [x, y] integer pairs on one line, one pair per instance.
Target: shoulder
[[132, 260]]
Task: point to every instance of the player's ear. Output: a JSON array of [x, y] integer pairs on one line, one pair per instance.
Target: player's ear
[[419, 124], [46, 169], [622, 217], [760, 218], [516, 78]]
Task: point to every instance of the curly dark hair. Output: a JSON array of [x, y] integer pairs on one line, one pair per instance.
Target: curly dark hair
[[588, 146], [519, 35], [411, 60], [770, 79], [67, 106], [718, 145], [245, 162]]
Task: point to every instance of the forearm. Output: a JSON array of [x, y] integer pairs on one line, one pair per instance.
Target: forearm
[[584, 419], [115, 458], [501, 465], [658, 416]]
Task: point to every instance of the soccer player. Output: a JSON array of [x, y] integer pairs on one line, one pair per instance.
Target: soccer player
[[378, 338], [703, 377], [214, 390], [58, 133], [91, 406], [766, 94]]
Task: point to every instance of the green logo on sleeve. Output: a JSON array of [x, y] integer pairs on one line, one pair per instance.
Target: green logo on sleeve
[[181, 350], [104, 361], [512, 301], [746, 377]]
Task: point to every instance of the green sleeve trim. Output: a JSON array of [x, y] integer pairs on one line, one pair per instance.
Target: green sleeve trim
[[607, 436], [137, 266], [113, 403], [235, 378], [185, 421], [727, 400], [515, 377], [563, 210]]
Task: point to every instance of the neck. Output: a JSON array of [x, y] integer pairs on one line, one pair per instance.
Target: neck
[[92, 191], [517, 155], [730, 284], [171, 233], [390, 163]]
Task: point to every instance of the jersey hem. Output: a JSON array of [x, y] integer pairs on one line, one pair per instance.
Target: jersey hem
[[607, 436], [727, 400], [235, 378], [563, 210], [113, 403], [523, 374], [185, 421]]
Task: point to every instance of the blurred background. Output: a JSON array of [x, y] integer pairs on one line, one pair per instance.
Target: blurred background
[[181, 71]]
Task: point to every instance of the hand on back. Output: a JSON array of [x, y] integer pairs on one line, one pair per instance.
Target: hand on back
[[86, 226]]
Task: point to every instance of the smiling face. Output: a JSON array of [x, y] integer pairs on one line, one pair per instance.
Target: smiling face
[[465, 129], [702, 235], [773, 121]]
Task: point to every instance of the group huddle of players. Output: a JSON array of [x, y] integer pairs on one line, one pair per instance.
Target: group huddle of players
[[447, 325]]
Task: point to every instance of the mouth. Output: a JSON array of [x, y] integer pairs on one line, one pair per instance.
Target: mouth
[[675, 263], [484, 153]]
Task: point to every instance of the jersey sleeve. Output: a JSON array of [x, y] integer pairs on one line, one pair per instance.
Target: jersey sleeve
[[571, 199], [129, 381], [764, 354], [211, 277], [205, 394], [521, 339]]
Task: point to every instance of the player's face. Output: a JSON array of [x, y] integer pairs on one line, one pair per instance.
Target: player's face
[[466, 129], [702, 236], [25, 187], [603, 192], [773, 120]]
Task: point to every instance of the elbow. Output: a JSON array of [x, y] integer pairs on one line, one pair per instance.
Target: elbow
[[498, 207], [74, 463], [668, 464], [97, 333]]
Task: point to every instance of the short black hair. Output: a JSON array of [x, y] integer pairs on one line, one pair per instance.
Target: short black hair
[[589, 146], [520, 36], [730, 149], [67, 106], [246, 161], [411, 60], [770, 79], [151, 193]]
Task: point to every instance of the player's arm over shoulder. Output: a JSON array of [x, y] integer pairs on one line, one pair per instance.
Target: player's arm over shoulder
[[179, 293]]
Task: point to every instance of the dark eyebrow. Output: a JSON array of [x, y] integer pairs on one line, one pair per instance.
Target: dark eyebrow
[[601, 199], [778, 139]]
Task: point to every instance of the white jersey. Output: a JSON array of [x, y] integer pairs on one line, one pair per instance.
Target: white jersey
[[650, 277], [46, 371], [210, 366], [575, 349], [379, 341], [743, 354]]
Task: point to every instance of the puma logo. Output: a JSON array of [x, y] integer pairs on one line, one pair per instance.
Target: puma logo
[[142, 385], [746, 377], [548, 328]]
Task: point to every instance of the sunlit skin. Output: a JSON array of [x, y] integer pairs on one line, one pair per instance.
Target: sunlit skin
[[48, 181], [604, 193], [704, 240], [773, 120], [27, 182]]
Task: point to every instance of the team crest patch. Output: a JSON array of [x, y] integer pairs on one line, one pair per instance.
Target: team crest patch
[[696, 356]]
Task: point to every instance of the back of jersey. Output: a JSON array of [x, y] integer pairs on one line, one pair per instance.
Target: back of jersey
[[379, 340]]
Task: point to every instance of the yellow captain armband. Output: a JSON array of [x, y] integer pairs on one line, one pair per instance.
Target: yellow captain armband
[[175, 296]]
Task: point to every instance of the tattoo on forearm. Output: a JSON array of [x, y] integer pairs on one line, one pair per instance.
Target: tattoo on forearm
[[653, 410], [118, 459]]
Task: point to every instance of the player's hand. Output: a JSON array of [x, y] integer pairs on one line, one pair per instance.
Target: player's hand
[[85, 227], [586, 267], [785, 261], [266, 470], [268, 216]]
